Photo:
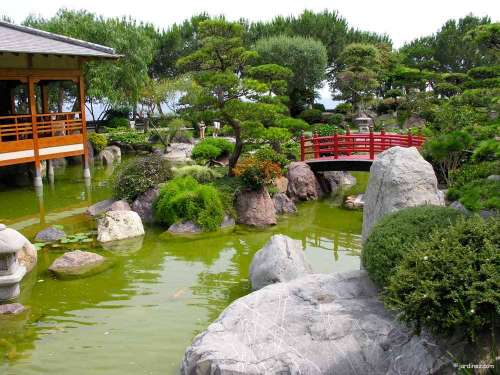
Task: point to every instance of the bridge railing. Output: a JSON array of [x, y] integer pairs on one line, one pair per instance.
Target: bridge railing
[[370, 144]]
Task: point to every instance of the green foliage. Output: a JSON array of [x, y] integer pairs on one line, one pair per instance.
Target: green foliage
[[200, 173], [212, 148], [306, 58], [446, 89], [256, 173], [139, 175], [487, 150], [324, 130], [127, 136], [477, 195], [311, 115], [476, 171], [291, 149], [294, 125], [117, 122], [451, 282], [484, 72], [185, 199], [98, 141], [335, 119], [396, 234], [266, 152], [344, 108]]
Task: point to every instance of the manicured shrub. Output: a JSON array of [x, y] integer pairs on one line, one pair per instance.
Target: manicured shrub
[[185, 199], [451, 282], [311, 115], [128, 136], [140, 175], [117, 122], [396, 234], [255, 173], [470, 172], [200, 173], [98, 141], [212, 148], [294, 125], [477, 195], [268, 153], [344, 108], [291, 150], [335, 119], [487, 150]]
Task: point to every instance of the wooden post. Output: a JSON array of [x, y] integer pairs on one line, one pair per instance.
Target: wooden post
[[34, 128], [410, 138], [302, 147], [382, 138], [348, 139], [316, 145], [335, 144], [372, 145], [86, 168]]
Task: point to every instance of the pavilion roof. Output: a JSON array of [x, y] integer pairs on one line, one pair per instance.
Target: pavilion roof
[[22, 39]]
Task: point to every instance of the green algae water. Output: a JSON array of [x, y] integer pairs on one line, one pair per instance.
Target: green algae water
[[139, 315]]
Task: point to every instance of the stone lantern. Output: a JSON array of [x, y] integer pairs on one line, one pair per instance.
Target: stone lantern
[[11, 272], [363, 123]]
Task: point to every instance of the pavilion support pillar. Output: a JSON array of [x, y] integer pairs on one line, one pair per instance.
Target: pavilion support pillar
[[38, 175], [85, 161], [50, 171]]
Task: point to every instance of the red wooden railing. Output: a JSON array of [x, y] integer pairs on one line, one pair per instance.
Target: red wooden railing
[[338, 146]]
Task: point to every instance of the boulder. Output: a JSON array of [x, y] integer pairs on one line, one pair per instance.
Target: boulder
[[12, 309], [184, 227], [179, 152], [399, 178], [493, 177], [302, 183], [106, 157], [255, 208], [283, 204], [100, 207], [354, 202], [281, 259], [414, 122], [227, 222], [77, 263], [50, 234], [331, 181], [460, 207], [116, 151], [120, 205], [317, 324], [28, 256], [281, 184], [119, 225], [143, 204]]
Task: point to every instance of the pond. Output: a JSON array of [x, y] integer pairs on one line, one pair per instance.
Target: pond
[[139, 315]]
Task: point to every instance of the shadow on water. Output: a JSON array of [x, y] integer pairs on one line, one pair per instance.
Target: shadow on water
[[139, 315]]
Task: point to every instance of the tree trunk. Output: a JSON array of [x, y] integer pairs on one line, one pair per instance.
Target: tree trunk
[[238, 147]]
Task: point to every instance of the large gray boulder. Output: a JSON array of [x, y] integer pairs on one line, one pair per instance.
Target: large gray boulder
[[106, 157], [302, 183], [318, 324], [332, 181], [255, 208], [281, 259], [185, 227], [100, 207], [77, 263], [119, 225], [283, 204], [121, 205], [143, 204], [116, 151], [399, 178]]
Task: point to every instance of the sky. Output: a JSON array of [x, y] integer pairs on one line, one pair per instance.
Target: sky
[[402, 20]]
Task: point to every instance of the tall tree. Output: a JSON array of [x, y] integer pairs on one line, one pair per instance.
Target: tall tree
[[305, 57], [118, 83], [219, 66]]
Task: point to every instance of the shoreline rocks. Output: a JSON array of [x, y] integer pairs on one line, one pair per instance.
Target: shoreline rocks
[[317, 324], [255, 208], [77, 263], [302, 183], [283, 204], [50, 234], [400, 177], [281, 259], [119, 225], [143, 204]]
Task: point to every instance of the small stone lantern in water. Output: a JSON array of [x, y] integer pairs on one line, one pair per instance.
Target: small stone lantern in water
[[11, 272]]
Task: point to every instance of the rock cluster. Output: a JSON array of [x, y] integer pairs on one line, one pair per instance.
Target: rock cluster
[[143, 204], [302, 183], [255, 208]]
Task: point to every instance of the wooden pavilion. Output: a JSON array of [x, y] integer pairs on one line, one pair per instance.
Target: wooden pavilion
[[42, 96]]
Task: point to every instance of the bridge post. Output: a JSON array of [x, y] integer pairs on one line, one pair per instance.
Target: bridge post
[[335, 144], [348, 139], [372, 144], [302, 146], [382, 138], [410, 138], [316, 145]]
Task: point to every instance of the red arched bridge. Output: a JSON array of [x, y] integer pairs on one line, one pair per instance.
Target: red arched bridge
[[351, 151]]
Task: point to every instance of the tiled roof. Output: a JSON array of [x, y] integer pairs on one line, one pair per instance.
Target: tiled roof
[[22, 39]]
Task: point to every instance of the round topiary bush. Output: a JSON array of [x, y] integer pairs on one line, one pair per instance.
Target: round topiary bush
[[451, 283], [185, 199], [140, 175], [212, 148], [396, 234]]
